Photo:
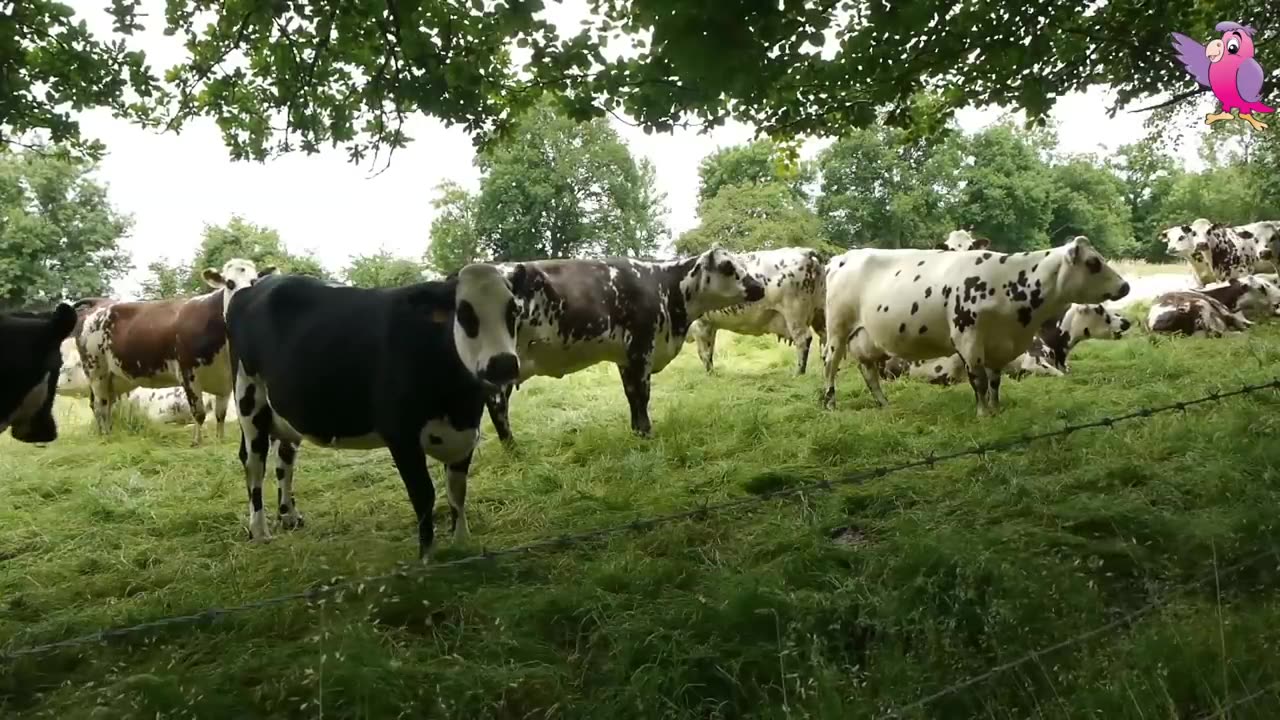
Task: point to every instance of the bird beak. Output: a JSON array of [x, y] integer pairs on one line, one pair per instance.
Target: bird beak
[[1213, 51]]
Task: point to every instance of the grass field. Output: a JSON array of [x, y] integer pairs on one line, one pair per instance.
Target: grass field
[[842, 605]]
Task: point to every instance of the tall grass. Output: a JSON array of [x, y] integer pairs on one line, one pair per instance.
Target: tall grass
[[830, 606]]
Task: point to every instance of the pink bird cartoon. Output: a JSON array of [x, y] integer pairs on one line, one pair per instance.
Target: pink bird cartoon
[[1227, 67]]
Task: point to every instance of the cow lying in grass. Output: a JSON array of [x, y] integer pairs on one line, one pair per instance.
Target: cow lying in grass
[[925, 304], [1214, 310]]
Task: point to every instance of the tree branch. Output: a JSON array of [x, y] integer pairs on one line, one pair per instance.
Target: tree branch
[[1173, 101]]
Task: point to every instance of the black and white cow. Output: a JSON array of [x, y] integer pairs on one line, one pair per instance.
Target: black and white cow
[[1047, 355], [405, 368], [29, 361], [1215, 309], [1217, 252], [987, 306], [793, 295], [632, 313]]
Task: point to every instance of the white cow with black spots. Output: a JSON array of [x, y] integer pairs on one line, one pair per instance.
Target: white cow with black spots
[[792, 303], [1218, 253], [986, 306]]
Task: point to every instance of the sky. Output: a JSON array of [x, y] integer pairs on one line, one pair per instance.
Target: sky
[[174, 184]]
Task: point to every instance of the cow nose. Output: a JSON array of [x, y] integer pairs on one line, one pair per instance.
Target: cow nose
[[502, 369], [755, 291], [1124, 290], [1124, 324], [1265, 254]]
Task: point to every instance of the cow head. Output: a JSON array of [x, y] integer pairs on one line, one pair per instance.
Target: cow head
[[962, 240], [29, 363], [1261, 294], [1085, 276], [237, 274], [482, 304], [1084, 322], [1201, 230], [717, 280]]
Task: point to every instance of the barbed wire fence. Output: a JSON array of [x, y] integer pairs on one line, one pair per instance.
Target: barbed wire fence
[[339, 585]]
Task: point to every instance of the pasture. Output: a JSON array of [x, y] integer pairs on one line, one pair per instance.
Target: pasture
[[839, 605]]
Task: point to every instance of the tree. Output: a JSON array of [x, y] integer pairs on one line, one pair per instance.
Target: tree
[[879, 188], [454, 242], [239, 238], [760, 162], [280, 77], [754, 217], [1007, 192], [163, 280], [1147, 178], [382, 269], [565, 189], [59, 234], [1088, 199]]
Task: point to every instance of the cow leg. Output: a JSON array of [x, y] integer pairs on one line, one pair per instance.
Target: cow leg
[[457, 486], [220, 403], [979, 382], [705, 337], [195, 400], [287, 513], [635, 382], [412, 464], [255, 443], [871, 375], [100, 398], [993, 390], [499, 405]]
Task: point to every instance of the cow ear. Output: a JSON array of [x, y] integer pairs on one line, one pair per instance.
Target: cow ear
[[434, 299], [64, 321], [268, 270], [521, 280], [979, 243], [213, 278], [940, 246]]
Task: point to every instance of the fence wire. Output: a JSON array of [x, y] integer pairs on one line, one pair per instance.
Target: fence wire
[[403, 570]]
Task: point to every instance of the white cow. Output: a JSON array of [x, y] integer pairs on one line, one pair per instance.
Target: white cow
[[792, 303], [924, 304], [1047, 355], [169, 405]]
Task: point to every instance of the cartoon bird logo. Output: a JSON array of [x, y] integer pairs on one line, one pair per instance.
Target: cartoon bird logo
[[1227, 67]]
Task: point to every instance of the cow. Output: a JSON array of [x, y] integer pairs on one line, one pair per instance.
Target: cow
[[1265, 234], [962, 240], [632, 313], [165, 343], [793, 295], [29, 362], [1217, 252], [403, 368], [72, 381], [168, 405], [987, 306], [1213, 310], [1047, 355]]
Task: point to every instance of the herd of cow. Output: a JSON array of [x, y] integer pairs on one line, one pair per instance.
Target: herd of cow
[[412, 369]]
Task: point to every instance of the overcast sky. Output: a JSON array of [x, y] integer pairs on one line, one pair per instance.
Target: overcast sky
[[174, 184]]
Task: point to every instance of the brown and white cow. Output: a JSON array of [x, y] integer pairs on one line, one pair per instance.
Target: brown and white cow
[[1214, 310], [165, 343]]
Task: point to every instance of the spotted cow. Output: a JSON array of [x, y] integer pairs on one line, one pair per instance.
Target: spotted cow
[[72, 380], [403, 368], [165, 343], [632, 313], [169, 405], [924, 304], [1215, 309], [1047, 355], [29, 362], [1217, 253], [793, 295]]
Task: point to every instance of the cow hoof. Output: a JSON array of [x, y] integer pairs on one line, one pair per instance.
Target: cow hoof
[[292, 521]]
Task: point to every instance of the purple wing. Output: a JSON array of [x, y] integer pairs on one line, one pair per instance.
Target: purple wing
[[1249, 80], [1191, 54]]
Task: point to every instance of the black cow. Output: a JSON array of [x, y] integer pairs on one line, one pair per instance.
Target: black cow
[[30, 358], [633, 313], [343, 367]]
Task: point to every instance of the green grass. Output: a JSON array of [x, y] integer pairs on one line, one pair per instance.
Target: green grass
[[832, 606]]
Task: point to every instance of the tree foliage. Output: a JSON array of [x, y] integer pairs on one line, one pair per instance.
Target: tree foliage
[[238, 238], [280, 77], [756, 163], [382, 270], [557, 189], [59, 234], [754, 217]]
